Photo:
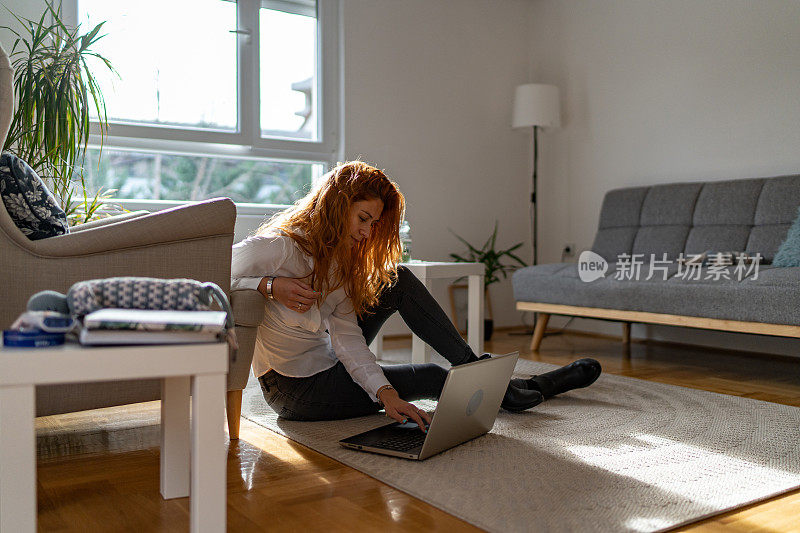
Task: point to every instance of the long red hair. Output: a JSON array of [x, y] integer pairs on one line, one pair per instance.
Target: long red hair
[[320, 224]]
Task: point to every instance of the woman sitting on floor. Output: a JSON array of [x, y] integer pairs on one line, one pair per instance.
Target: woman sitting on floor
[[328, 268]]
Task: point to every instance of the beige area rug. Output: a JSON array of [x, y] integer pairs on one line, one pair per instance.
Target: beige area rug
[[623, 454], [112, 429]]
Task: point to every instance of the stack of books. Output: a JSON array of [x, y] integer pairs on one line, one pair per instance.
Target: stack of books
[[140, 326]]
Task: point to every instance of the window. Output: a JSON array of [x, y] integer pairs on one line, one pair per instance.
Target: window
[[216, 97], [158, 176], [288, 81], [185, 79]]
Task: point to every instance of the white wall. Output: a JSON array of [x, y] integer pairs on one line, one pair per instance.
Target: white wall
[[428, 95], [661, 91]]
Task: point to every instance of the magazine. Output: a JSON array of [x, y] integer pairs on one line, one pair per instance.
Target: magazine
[[121, 336], [147, 320]]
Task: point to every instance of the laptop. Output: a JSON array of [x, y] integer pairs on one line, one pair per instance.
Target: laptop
[[467, 408]]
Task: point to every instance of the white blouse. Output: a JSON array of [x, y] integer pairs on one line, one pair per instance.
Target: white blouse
[[296, 344]]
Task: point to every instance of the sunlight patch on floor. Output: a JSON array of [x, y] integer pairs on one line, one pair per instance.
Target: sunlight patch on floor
[[688, 471], [646, 524]]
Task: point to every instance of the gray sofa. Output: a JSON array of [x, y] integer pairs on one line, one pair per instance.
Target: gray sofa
[[747, 215]]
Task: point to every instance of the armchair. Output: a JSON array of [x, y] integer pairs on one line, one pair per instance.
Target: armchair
[[191, 241]]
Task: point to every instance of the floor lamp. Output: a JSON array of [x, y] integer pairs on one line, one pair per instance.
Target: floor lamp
[[536, 106]]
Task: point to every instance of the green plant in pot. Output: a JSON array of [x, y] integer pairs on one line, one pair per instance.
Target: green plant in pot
[[55, 92], [493, 260]]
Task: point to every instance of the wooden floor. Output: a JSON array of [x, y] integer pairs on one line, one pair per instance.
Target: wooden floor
[[98, 470]]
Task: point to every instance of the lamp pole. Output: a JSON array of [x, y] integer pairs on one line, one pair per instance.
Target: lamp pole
[[533, 193], [536, 105]]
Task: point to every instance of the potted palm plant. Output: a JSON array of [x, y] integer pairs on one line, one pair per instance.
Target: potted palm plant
[[56, 91], [495, 267]]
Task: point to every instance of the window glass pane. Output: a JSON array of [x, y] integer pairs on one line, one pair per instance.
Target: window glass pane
[[176, 60], [154, 176], [288, 71]]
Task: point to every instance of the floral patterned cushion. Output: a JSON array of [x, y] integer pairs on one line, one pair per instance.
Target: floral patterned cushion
[[32, 207]]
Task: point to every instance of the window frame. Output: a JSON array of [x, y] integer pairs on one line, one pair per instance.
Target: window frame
[[247, 142]]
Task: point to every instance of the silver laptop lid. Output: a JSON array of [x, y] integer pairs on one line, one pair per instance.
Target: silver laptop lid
[[469, 402]]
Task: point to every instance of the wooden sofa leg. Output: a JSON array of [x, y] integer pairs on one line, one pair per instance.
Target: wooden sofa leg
[[233, 408], [538, 331], [626, 332]]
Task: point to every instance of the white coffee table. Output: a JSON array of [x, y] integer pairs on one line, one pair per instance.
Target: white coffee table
[[196, 368], [426, 271]]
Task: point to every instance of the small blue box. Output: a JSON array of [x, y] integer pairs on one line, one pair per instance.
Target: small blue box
[[32, 338]]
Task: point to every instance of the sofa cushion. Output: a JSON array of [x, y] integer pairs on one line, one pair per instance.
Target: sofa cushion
[[665, 219], [718, 238], [778, 201], [772, 276], [766, 239], [750, 214], [770, 298], [31, 206], [671, 205], [656, 240], [619, 222], [622, 207], [775, 212], [609, 243], [727, 202]]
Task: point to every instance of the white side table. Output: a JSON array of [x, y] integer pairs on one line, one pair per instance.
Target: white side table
[[426, 271], [196, 368]]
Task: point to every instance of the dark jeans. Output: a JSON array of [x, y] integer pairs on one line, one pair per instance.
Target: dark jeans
[[332, 394]]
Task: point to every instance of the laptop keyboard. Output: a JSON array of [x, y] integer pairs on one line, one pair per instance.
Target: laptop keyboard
[[402, 443]]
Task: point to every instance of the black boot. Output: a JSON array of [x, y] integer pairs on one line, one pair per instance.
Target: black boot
[[471, 358], [576, 375], [517, 397]]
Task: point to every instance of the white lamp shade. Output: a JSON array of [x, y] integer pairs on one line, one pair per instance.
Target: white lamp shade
[[536, 105]]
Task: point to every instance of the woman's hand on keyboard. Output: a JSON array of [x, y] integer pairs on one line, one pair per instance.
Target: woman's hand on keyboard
[[401, 410]]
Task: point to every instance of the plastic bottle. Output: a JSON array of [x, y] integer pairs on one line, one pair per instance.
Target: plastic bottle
[[405, 241]]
